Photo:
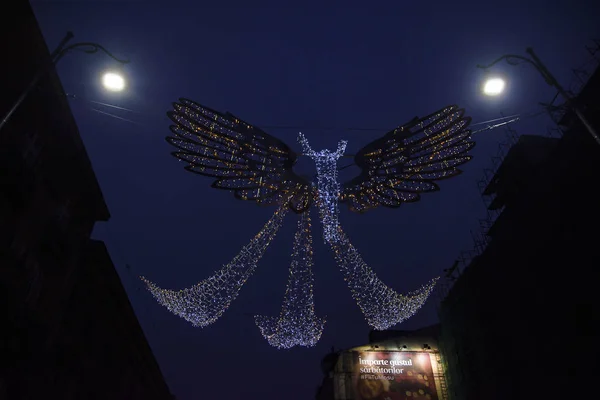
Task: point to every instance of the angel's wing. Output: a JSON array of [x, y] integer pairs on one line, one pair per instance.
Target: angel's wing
[[243, 158], [407, 161]]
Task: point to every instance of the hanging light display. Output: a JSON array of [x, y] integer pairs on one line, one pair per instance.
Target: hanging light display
[[327, 182], [381, 305], [255, 166], [297, 323], [203, 303]]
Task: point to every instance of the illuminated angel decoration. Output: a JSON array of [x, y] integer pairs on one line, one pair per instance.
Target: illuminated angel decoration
[[256, 166]]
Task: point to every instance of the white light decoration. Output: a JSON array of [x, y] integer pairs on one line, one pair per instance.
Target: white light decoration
[[205, 302], [297, 323], [396, 168], [381, 305], [327, 183]]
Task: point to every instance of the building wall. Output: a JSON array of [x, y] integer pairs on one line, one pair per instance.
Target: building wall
[[49, 199], [518, 323], [49, 196], [51, 297], [102, 352]]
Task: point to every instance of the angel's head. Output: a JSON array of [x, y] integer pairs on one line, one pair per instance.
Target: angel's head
[[325, 153], [339, 151]]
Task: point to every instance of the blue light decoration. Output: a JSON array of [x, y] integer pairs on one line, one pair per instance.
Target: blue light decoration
[[395, 169], [297, 323], [381, 306], [327, 182]]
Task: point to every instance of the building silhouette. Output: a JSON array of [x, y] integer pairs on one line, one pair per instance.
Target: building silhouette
[[102, 349], [520, 320], [68, 330]]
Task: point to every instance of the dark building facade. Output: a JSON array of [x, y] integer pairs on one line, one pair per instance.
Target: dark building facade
[[49, 202], [101, 349], [519, 322]]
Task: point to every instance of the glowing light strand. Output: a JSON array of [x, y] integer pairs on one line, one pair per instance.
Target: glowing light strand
[[203, 303], [382, 306], [327, 183], [407, 161], [256, 166], [297, 323]]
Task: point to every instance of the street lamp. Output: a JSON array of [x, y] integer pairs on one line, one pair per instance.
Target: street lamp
[[112, 80], [513, 59], [494, 86]]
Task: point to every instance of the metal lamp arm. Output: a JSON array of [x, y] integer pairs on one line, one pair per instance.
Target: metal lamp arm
[[49, 62], [511, 59], [91, 48]]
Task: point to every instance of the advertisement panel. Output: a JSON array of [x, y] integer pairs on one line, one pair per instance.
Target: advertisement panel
[[393, 375]]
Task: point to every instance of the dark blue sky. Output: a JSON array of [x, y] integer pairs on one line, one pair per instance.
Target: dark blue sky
[[313, 64]]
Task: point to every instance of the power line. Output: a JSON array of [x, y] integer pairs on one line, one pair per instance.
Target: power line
[[510, 118], [115, 116], [510, 121], [110, 105]]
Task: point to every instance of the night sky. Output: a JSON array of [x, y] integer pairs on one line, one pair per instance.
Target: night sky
[[325, 68]]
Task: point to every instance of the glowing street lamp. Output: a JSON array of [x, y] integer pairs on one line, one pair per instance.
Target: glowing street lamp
[[112, 81], [494, 86]]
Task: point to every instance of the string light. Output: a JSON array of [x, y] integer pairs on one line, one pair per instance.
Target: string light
[[203, 303], [407, 161], [256, 166], [253, 164], [297, 323], [381, 305], [327, 183]]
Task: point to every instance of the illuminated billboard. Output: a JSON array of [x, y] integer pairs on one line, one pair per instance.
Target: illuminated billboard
[[393, 375]]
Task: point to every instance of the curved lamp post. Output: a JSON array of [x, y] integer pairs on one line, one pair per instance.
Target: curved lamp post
[[112, 83], [514, 59]]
